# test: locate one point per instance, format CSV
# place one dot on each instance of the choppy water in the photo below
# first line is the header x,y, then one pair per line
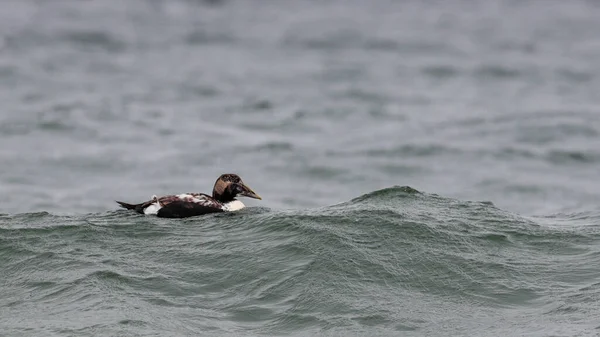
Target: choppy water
x,y
391,262
489,110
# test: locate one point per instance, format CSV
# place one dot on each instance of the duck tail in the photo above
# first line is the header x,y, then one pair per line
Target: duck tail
x,y
126,205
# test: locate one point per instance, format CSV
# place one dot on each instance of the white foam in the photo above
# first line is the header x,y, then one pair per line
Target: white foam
x,y
232,206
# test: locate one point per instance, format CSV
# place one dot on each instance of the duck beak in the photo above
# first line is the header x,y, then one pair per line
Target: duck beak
x,y
248,192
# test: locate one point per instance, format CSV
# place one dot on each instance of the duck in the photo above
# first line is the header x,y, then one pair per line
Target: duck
x,y
227,187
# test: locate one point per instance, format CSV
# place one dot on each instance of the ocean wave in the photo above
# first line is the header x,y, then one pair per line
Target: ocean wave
x,y
363,263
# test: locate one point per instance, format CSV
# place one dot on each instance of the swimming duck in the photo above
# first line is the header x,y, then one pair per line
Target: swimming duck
x,y
223,199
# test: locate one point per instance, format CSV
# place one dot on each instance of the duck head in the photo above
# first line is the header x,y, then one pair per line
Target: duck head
x,y
230,185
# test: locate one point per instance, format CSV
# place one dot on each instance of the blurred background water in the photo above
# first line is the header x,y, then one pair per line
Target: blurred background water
x,y
314,104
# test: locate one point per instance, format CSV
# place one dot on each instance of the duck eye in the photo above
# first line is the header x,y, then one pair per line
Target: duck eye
x,y
238,189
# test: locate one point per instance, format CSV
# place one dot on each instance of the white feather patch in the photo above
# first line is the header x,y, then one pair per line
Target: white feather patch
x,y
154,207
232,206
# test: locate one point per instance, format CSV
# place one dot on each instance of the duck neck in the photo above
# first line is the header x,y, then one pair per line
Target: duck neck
x,y
225,196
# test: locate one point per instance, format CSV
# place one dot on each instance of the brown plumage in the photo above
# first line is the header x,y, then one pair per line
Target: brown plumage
x,y
226,188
